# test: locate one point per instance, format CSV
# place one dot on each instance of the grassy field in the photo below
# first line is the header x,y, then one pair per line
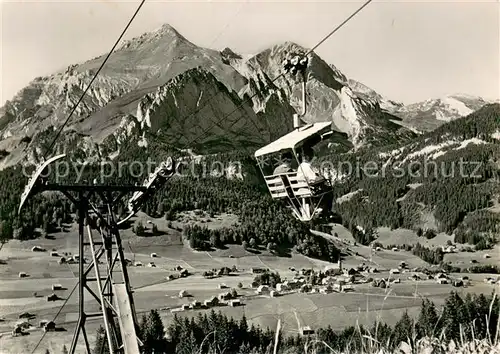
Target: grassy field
x,y
153,291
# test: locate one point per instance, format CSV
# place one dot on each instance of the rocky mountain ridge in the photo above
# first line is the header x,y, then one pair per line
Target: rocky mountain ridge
x,y
162,86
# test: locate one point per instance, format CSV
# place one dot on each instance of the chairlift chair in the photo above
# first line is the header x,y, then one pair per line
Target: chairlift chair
x,y
303,196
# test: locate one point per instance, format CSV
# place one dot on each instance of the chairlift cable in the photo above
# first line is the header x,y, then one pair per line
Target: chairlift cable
x,y
66,122
54,320
91,81
206,130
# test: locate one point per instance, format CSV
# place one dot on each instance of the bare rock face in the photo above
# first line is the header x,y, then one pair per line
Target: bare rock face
x,y
161,86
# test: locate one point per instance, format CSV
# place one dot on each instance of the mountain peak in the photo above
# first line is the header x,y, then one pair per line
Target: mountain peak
x,y
167,29
162,33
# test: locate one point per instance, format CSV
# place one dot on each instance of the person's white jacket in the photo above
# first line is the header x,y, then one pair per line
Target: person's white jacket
x,y
307,173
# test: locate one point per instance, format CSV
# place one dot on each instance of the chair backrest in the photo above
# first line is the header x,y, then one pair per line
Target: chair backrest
x,y
278,189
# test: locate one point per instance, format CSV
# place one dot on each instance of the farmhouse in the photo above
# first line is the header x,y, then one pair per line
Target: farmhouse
x,y
52,297
22,275
56,287
213,301
50,326
54,254
394,271
273,293
195,305
257,270
183,293
225,296
281,287
154,255
442,281
62,260
235,303
37,249
17,331
262,289
350,271
306,330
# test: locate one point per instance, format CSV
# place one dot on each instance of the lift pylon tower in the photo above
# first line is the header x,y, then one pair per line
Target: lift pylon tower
x,y
110,285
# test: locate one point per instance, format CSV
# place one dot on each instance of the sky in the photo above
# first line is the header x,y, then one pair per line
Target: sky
x,y
406,50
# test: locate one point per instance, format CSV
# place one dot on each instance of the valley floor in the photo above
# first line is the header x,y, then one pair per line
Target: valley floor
x,y
362,305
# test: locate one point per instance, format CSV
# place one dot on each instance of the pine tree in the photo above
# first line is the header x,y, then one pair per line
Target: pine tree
x,y
101,344
403,330
428,320
153,334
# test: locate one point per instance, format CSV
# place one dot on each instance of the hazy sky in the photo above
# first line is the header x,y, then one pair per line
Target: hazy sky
x,y
406,50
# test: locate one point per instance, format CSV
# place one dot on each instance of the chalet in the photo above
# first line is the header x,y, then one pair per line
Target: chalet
x,y
282,287
225,296
350,271
337,287
262,289
17,331
325,290
195,305
306,330
305,288
213,301
440,276
52,297
50,326
235,303
257,270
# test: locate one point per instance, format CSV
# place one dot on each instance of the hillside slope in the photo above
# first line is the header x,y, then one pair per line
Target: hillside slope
x,y
446,180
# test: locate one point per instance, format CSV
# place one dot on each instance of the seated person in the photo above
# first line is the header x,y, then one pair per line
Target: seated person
x,y
286,164
306,172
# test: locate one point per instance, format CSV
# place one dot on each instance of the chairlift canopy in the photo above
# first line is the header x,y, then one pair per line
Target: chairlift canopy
x,y
294,138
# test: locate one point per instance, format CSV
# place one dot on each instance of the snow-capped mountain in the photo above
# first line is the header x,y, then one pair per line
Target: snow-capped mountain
x,y
430,114
162,87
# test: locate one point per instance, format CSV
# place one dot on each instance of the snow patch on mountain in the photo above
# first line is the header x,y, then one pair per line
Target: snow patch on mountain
x,y
476,141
